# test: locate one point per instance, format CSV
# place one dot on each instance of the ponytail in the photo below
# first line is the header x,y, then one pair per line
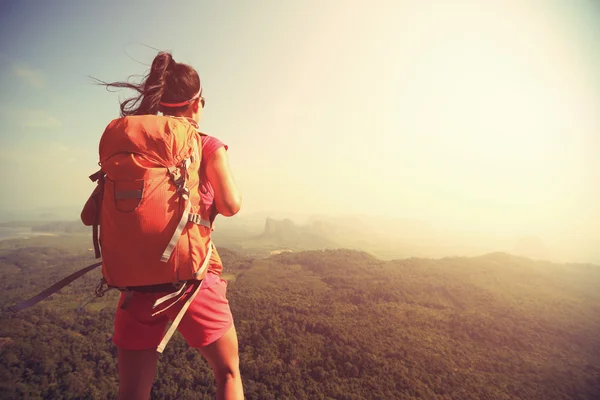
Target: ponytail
x,y
167,81
154,86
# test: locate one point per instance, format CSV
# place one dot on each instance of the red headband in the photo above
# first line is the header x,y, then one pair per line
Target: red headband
x,y
183,103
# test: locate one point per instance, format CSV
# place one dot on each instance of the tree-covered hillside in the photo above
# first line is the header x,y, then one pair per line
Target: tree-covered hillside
x,y
334,324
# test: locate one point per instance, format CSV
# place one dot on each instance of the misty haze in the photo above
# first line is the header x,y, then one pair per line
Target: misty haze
x,y
420,183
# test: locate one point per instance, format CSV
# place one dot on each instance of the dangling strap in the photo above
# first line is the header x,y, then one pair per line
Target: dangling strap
x,y
169,297
177,320
179,293
52,289
170,305
204,267
183,310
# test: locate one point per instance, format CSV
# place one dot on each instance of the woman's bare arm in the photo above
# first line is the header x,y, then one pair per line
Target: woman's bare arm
x,y
227,196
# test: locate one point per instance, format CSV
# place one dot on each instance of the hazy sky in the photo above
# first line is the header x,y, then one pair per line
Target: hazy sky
x,y
471,114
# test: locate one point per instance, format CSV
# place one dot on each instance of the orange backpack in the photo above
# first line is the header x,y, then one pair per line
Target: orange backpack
x,y
150,227
153,228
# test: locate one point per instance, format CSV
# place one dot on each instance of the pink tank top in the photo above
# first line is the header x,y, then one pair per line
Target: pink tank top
x,y
207,194
210,144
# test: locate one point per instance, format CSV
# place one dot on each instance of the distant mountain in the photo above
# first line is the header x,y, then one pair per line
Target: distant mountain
x,y
384,238
62,227
66,213
532,247
42,226
286,235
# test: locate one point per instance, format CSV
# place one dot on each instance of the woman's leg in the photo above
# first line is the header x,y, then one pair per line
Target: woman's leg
x,y
222,356
136,329
136,373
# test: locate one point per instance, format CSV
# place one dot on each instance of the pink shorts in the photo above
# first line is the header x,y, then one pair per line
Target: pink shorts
x,y
206,320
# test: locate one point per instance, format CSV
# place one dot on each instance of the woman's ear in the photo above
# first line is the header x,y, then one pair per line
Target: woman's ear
x,y
195,105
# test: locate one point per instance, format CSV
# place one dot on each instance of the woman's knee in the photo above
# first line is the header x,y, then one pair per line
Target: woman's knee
x,y
223,357
227,369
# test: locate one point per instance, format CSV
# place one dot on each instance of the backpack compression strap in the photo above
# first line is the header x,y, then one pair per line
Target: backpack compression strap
x,y
181,184
97,177
53,289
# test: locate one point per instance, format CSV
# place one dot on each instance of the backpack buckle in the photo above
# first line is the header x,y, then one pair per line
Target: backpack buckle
x,y
179,180
100,290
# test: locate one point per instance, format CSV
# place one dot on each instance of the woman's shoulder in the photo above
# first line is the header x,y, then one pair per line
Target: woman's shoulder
x,y
210,144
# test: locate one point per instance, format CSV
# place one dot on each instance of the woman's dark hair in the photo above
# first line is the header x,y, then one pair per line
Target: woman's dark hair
x,y
168,81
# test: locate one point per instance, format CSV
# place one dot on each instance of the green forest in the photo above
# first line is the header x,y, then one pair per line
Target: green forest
x,y
333,324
